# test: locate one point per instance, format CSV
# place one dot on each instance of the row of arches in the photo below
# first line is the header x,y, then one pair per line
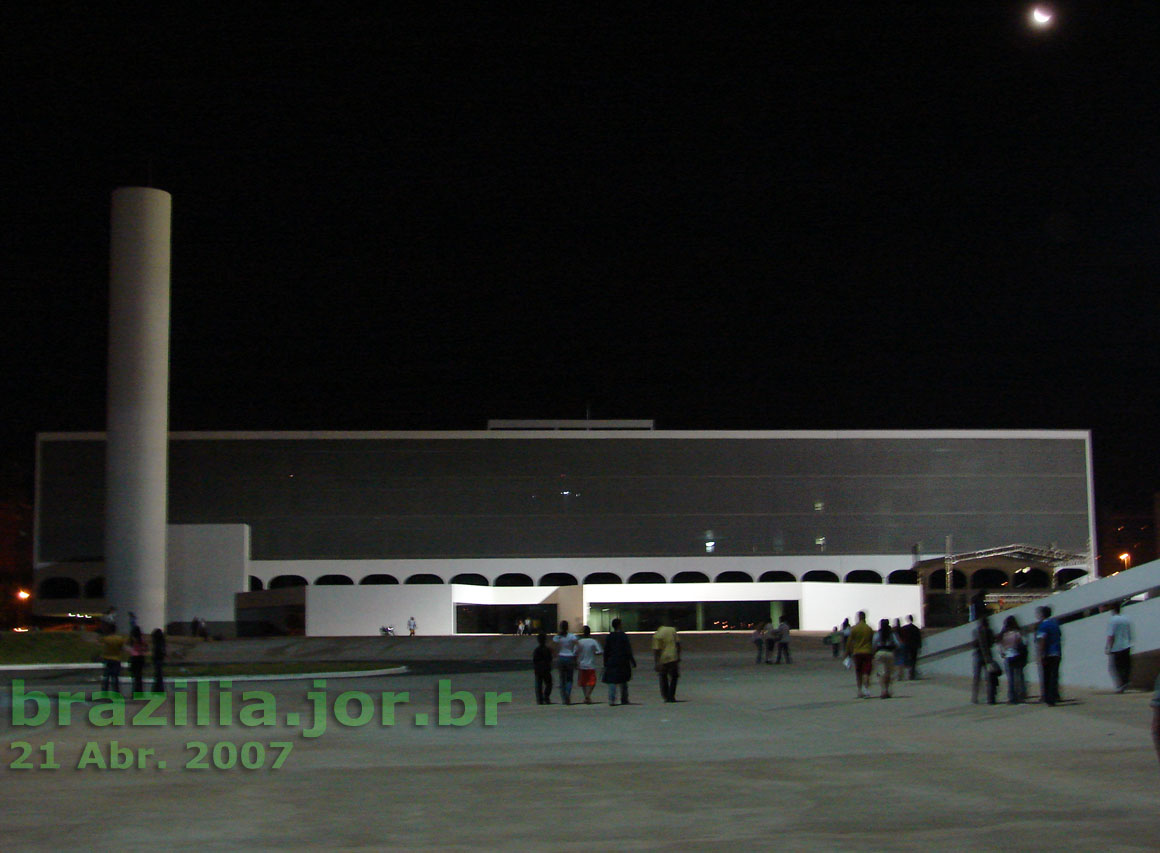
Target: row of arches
x,y
1025,578
1030,578
510,579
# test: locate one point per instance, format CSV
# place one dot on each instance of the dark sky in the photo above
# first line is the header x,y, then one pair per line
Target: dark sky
x,y
781,215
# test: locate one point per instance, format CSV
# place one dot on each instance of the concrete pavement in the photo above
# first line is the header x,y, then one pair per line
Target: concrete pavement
x,y
761,756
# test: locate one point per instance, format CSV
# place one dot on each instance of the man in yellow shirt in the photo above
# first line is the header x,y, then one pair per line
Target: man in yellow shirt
x,y
667,656
860,648
111,645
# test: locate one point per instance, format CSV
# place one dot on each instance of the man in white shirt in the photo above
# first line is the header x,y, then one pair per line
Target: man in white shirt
x,y
586,651
1119,646
565,660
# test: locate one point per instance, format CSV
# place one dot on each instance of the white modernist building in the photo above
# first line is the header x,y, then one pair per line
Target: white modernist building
x,y
470,532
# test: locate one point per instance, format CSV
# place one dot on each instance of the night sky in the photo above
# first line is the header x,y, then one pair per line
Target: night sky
x,y
772,216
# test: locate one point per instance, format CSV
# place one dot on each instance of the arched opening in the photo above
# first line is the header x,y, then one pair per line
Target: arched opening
x,y
59,588
95,588
820,576
734,577
863,576
1029,578
1065,576
513,579
690,577
989,579
938,580
903,576
334,580
284,581
646,577
379,579
558,579
602,577
255,584
424,578
470,578
777,577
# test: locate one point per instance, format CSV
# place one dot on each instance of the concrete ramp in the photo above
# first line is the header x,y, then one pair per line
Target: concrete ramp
x,y
1084,631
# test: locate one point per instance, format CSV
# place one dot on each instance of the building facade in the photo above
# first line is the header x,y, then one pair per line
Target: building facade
x,y
579,521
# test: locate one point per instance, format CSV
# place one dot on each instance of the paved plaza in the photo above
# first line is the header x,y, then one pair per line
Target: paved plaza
x,y
754,756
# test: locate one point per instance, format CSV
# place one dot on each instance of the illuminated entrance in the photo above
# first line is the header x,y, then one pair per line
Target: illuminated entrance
x,y
691,615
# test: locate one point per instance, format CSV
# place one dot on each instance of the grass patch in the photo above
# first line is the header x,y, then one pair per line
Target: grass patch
x,y
47,647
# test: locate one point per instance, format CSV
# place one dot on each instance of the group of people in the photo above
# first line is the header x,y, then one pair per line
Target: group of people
x,y
891,652
767,637
113,647
576,661
1013,649
881,652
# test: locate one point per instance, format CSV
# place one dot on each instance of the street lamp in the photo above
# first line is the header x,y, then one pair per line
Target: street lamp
x,y
1126,559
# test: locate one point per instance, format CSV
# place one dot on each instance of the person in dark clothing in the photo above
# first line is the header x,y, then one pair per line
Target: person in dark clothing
x,y
618,663
158,637
912,642
137,650
985,665
542,664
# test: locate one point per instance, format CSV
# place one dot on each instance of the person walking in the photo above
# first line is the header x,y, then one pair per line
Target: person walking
x,y
899,651
618,663
586,651
860,648
411,626
1049,645
1014,650
542,664
667,660
912,641
137,651
758,638
885,644
983,661
112,644
565,660
835,641
783,640
1119,647
158,637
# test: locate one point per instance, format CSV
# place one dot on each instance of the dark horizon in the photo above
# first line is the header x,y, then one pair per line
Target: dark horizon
x,y
849,218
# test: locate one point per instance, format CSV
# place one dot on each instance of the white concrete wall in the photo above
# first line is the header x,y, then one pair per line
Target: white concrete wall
x,y
349,611
824,605
207,566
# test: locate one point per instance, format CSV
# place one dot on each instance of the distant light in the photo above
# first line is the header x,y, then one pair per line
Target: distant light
x,y
20,630
710,546
24,595
1041,16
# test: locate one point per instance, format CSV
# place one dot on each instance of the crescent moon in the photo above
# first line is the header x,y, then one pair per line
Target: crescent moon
x,y
1041,16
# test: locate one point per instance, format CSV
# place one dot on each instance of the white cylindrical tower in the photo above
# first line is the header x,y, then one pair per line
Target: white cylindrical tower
x,y
136,466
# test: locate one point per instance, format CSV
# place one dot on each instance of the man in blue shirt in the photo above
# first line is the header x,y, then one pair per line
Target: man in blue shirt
x,y
1049,643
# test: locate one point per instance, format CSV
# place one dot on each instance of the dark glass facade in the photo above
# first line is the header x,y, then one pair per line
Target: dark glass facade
x,y
580,495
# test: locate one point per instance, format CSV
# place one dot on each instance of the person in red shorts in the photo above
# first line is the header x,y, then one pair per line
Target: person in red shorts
x,y
586,651
860,648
